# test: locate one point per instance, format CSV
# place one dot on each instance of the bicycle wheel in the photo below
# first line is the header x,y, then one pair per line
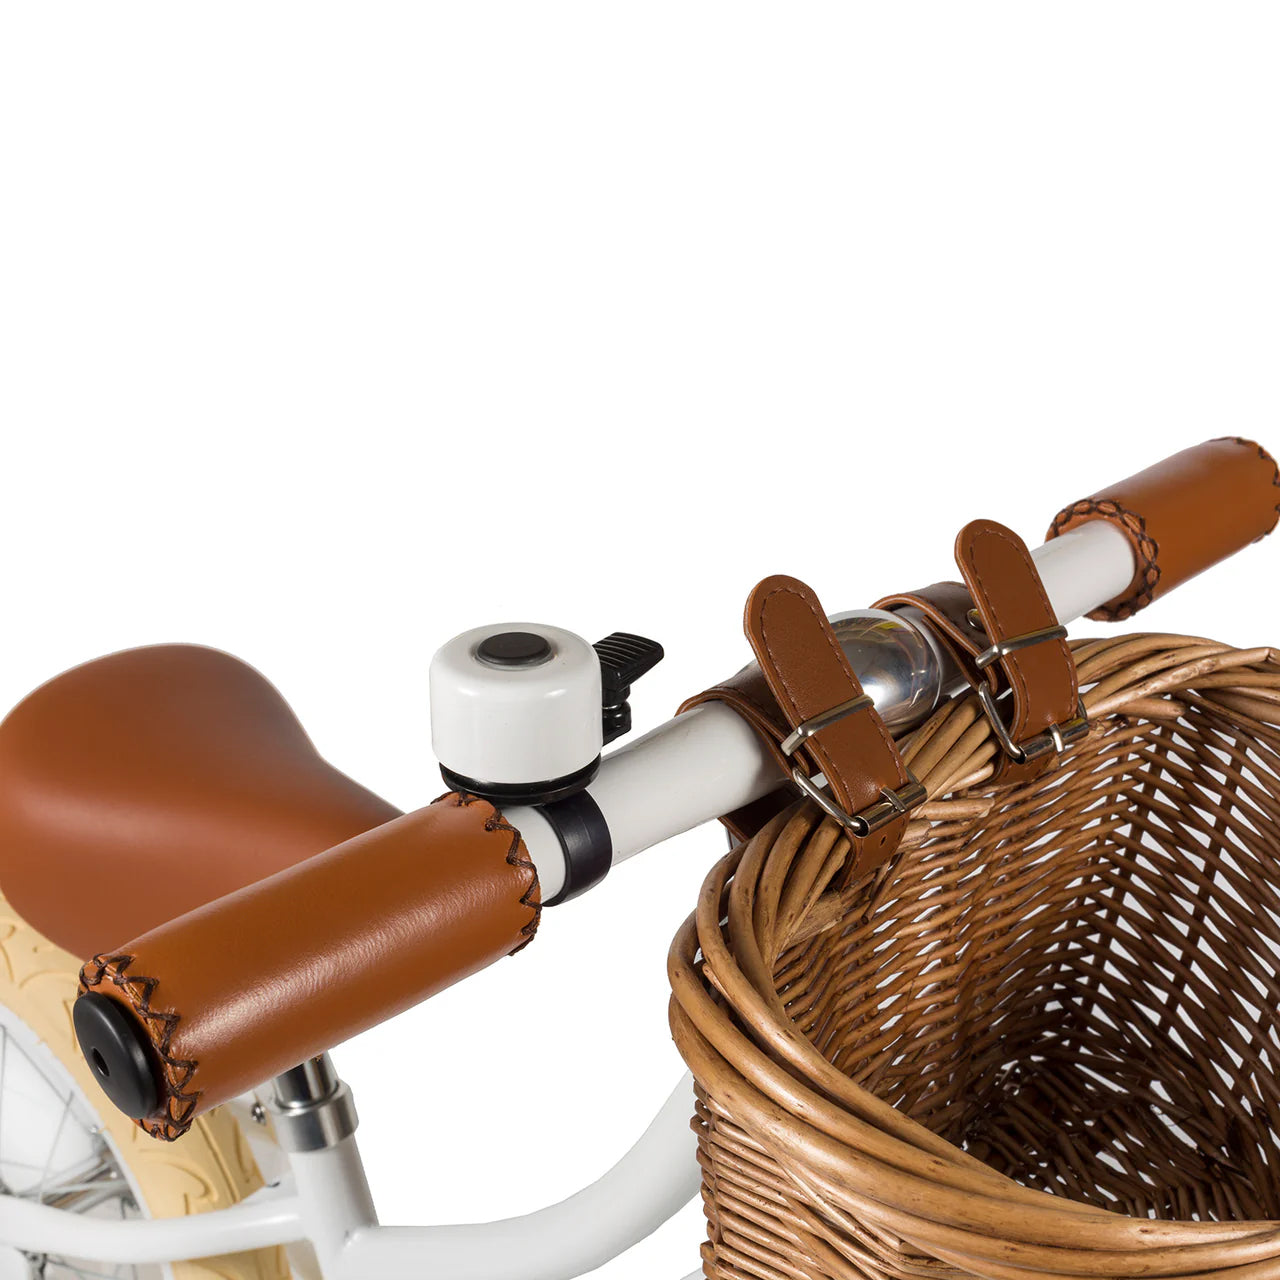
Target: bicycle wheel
x,y
62,1143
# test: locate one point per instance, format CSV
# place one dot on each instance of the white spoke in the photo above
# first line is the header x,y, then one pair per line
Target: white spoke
x,y
106,1184
53,1150
79,1272
86,1196
81,1172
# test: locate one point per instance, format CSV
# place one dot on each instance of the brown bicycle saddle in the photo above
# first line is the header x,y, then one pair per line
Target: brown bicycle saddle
x,y
145,784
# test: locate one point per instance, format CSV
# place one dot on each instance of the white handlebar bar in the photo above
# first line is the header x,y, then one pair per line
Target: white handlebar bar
x,y
709,761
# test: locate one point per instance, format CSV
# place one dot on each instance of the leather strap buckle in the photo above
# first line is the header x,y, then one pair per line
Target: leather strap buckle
x,y
804,699
1057,737
894,802
1001,629
1054,740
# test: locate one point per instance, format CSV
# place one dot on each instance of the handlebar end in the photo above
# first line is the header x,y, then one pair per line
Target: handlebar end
x,y
118,1054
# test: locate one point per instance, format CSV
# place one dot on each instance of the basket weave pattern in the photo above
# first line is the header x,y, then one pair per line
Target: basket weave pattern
x,y
1068,987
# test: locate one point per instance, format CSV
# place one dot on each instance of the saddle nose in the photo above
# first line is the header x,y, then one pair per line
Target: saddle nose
x,y
147,783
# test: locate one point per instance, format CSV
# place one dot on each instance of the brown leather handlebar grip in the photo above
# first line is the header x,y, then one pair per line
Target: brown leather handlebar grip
x,y
254,983
1183,515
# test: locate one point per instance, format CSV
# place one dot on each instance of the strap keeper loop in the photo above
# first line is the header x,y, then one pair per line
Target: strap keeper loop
x,y
1003,648
824,720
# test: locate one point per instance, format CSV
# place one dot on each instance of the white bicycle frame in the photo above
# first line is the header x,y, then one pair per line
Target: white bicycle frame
x,y
704,763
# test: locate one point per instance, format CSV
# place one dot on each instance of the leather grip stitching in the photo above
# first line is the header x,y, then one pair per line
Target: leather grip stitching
x,y
178,1072
1148,551
181,1105
1265,457
532,896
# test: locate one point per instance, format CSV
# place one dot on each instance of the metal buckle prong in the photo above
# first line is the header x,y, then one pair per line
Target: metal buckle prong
x,y
892,805
1057,737
824,720
1003,648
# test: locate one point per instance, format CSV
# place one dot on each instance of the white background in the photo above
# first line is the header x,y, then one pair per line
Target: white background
x,y
328,331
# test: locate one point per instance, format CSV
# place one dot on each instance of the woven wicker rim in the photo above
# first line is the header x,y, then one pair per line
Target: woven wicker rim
x,y
846,1150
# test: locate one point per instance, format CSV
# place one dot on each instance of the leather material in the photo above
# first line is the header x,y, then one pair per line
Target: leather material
x,y
1012,602
948,610
144,784
801,672
1183,515
248,986
1002,598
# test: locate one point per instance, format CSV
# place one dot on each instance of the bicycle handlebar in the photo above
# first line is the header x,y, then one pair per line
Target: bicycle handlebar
x,y
1183,515
208,1006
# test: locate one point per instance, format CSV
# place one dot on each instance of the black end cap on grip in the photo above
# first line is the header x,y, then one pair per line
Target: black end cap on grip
x,y
118,1054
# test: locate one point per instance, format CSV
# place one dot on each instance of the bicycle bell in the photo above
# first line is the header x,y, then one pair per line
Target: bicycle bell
x,y
520,711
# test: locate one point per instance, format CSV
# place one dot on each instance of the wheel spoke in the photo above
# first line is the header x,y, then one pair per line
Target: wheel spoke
x,y
104,1185
53,1150
80,1272
87,1180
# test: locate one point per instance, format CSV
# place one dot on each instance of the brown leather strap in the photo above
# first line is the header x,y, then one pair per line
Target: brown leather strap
x,y
1002,599
747,692
948,609
801,678
254,983
1183,515
1037,668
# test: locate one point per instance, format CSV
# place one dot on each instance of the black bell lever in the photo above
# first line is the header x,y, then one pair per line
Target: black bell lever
x,y
624,658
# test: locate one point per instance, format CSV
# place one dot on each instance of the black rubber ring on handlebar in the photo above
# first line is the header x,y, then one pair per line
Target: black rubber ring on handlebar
x,y
586,840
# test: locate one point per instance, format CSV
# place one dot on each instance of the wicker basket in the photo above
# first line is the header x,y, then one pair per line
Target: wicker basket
x,y
1042,1041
